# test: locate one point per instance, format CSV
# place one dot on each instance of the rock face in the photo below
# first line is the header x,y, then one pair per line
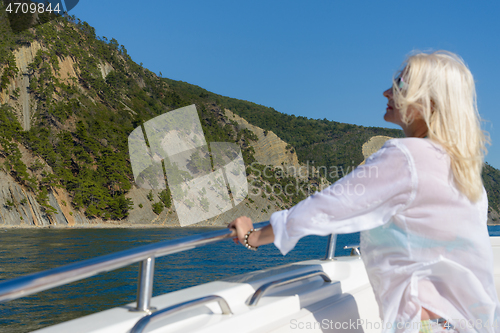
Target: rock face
x,y
20,208
105,69
374,144
67,69
269,149
24,56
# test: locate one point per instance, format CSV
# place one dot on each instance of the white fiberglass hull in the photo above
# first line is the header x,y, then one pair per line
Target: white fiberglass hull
x,y
347,304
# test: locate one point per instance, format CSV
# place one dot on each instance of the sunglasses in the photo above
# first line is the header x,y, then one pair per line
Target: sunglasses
x,y
401,84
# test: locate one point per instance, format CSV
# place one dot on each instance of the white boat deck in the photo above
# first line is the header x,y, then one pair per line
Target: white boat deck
x,y
347,304
302,304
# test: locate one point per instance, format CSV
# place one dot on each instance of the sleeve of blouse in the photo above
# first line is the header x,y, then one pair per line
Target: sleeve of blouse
x,y
364,199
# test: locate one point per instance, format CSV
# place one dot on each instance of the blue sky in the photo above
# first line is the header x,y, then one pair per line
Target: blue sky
x,y
320,59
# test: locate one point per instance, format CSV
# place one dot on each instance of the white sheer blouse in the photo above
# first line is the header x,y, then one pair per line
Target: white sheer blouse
x,y
424,244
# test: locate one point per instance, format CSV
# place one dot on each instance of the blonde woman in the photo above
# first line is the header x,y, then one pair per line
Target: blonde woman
x,y
419,203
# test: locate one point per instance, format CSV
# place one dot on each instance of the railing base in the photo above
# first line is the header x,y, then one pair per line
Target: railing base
x,y
148,311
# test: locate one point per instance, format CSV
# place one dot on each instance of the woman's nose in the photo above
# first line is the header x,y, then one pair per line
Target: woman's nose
x,y
388,93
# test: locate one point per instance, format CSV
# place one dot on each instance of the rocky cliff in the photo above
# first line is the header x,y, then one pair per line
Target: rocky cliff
x,y
269,148
19,207
16,94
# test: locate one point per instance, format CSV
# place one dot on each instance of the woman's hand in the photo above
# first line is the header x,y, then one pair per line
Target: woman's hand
x,y
242,225
257,238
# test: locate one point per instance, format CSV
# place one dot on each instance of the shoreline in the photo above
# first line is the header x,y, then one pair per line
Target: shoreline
x,y
111,225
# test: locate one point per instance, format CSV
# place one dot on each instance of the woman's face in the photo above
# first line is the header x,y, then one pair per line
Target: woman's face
x,y
417,126
392,114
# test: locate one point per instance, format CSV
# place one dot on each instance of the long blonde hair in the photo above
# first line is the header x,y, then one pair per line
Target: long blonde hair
x,y
441,88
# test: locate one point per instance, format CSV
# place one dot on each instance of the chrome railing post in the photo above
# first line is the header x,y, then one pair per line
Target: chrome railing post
x,y
330,248
145,285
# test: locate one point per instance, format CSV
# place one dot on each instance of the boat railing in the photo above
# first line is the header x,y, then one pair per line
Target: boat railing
x,y
140,326
257,295
145,255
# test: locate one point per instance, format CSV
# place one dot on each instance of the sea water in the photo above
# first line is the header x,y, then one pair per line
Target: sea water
x,y
24,251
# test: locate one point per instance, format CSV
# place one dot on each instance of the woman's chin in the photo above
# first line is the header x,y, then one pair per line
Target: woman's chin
x,y
388,117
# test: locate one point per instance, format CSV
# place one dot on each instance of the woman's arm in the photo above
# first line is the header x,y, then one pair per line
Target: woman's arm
x,y
366,198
